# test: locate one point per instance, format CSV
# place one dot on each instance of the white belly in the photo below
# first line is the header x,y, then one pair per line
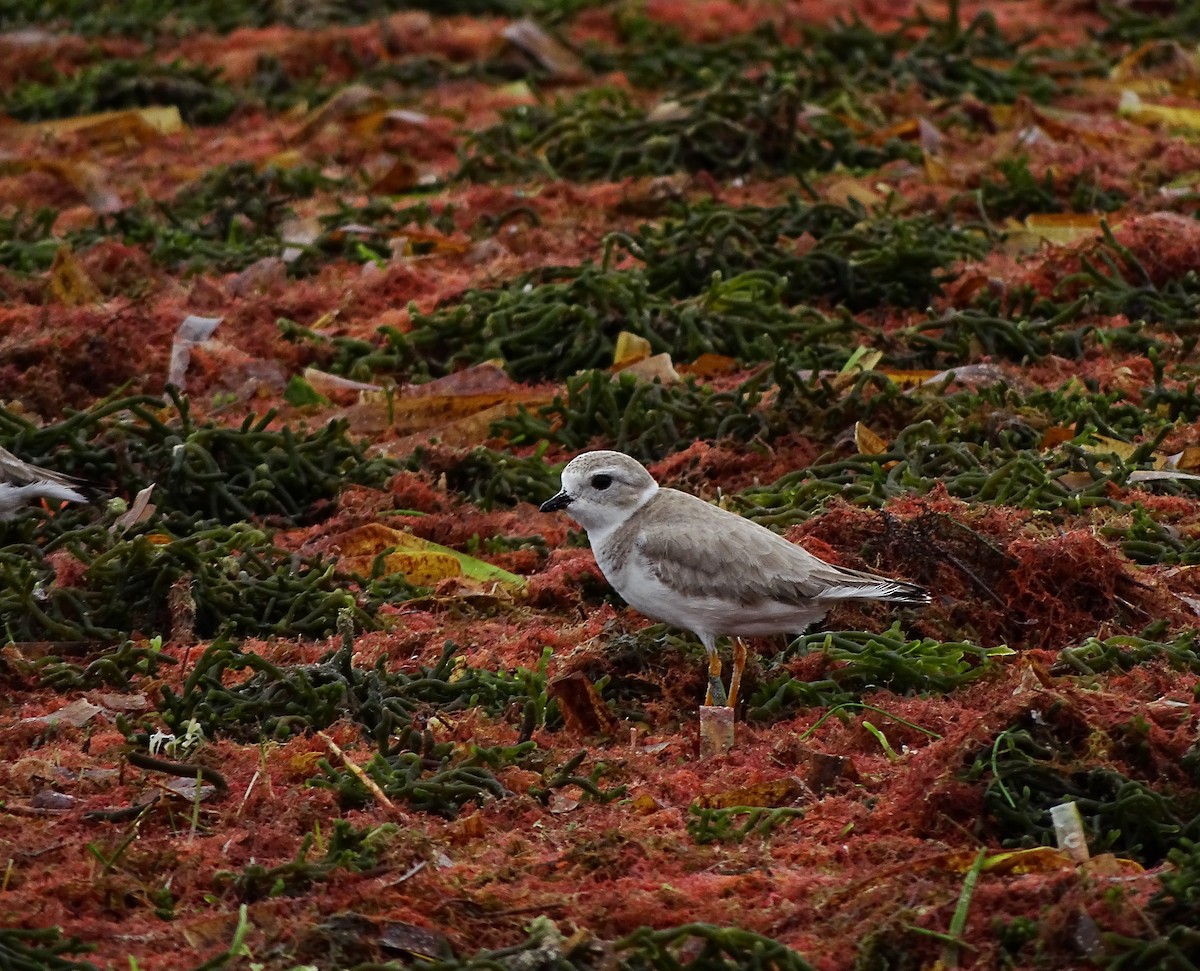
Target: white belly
x,y
707,616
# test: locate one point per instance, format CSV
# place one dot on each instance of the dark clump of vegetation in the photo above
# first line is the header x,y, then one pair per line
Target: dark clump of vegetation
x,y
431,776
735,824
687,947
200,470
277,701
735,127
234,578
1134,25
1039,763
851,256
117,669
232,217
202,99
487,477
151,19
551,325
349,848
647,420
1172,912
715,279
41,950
1019,193
863,662
941,58
1126,651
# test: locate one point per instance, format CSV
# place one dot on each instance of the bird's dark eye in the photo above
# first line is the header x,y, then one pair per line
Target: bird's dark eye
x,y
601,482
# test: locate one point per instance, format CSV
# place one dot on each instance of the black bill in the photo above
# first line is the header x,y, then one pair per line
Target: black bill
x,y
560,501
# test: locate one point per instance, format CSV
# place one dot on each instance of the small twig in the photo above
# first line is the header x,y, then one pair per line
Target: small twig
x,y
185,770
358,773
196,806
253,779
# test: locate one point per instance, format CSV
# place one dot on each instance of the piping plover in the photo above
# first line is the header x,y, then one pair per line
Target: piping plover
x,y
21,482
689,563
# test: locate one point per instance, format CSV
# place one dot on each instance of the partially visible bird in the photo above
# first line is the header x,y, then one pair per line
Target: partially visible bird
x,y
21,483
689,563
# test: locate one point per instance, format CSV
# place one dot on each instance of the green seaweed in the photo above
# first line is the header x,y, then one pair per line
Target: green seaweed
x,y
734,824
1035,765
863,662
850,256
431,776
350,848
738,126
119,83
276,701
44,949
199,469
237,580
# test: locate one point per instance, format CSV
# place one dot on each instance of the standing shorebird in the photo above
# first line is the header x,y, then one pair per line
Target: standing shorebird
x,y
684,561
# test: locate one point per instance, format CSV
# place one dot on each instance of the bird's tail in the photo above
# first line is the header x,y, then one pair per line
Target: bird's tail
x,y
853,585
13,497
906,594
45,489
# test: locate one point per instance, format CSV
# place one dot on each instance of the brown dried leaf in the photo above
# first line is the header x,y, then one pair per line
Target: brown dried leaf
x,y
1056,435
349,106
584,711
770,793
867,441
551,53
709,366
135,125
401,176
69,282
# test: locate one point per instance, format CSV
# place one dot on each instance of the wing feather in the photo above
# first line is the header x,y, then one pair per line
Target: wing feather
x,y
699,549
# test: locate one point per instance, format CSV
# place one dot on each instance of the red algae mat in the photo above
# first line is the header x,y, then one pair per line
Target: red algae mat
x,y
913,285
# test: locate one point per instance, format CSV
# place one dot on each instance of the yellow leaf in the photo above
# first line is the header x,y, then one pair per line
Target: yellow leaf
x,y
845,190
420,569
362,545
351,105
630,349
1060,229
69,282
863,359
1075,481
400,177
87,178
911,379
134,124
936,170
657,368
709,366
867,441
1188,460
1138,111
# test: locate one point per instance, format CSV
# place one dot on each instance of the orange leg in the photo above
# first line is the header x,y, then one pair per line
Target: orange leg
x,y
739,664
714,676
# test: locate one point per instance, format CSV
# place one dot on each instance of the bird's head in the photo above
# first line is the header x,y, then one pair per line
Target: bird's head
x,y
600,490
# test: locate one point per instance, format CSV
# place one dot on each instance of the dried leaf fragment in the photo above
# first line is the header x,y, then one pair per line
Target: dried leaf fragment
x,y
69,282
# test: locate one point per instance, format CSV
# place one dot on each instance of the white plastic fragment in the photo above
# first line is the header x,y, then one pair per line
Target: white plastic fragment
x,y
1068,831
194,330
